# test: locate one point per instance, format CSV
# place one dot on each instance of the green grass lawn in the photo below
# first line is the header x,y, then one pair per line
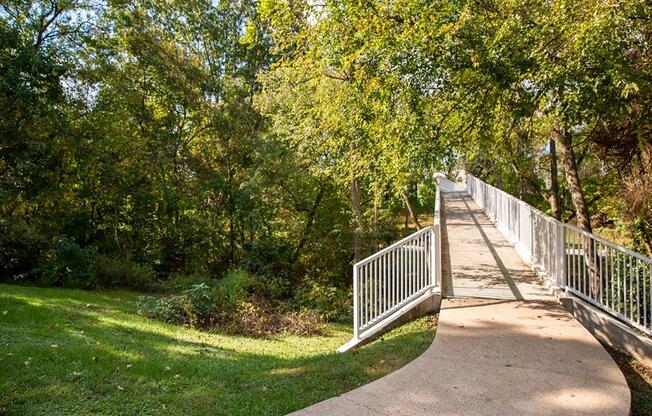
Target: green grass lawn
x,y
77,352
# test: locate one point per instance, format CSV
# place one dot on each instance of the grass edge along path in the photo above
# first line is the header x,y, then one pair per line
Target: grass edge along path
x,y
87,352
639,379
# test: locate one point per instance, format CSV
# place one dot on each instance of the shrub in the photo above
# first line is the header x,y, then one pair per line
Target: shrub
x,y
237,285
259,318
197,306
426,194
267,258
250,318
333,303
232,308
178,282
122,272
67,264
21,247
303,322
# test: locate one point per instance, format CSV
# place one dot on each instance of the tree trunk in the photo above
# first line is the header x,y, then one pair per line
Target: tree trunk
x,y
115,229
357,210
310,219
648,245
589,253
406,198
555,206
376,238
572,177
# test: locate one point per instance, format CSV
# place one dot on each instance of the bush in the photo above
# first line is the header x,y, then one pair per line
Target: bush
x,y
267,258
232,307
426,194
122,272
197,306
259,318
238,285
21,249
303,322
67,264
181,281
250,318
333,303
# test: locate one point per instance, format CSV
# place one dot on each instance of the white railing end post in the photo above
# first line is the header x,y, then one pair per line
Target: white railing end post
x,y
561,272
433,254
356,305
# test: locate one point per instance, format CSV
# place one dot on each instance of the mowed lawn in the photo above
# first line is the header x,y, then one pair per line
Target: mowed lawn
x,y
70,352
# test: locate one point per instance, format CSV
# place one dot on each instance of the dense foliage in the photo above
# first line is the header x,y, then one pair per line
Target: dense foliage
x,y
157,140
137,148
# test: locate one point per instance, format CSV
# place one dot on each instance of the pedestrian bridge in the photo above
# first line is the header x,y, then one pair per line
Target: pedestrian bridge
x,y
504,344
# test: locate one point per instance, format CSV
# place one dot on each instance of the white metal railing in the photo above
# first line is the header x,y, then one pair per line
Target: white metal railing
x,y
391,278
386,283
603,273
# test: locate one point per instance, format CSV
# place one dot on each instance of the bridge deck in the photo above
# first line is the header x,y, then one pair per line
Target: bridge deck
x,y
503,345
482,263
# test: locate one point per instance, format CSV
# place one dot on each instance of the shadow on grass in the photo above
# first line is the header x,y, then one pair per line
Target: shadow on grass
x,y
62,355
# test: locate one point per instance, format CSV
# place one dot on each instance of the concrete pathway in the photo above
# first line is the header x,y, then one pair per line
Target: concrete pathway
x,y
503,345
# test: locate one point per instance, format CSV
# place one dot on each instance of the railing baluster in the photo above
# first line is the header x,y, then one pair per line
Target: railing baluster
x,y
426,259
363,279
574,273
403,281
410,269
370,287
596,272
578,261
395,271
415,263
650,293
422,245
622,283
376,289
631,296
410,265
638,293
576,257
385,283
418,254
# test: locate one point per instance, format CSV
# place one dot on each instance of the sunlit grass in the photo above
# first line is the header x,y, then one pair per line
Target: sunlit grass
x,y
76,352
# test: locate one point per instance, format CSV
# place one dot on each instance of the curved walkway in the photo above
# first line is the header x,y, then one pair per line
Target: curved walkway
x,y
503,345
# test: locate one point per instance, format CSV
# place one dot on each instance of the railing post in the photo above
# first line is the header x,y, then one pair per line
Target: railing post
x,y
434,247
356,303
561,255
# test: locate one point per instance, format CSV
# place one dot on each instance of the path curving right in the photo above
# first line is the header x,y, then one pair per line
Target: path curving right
x,y
503,345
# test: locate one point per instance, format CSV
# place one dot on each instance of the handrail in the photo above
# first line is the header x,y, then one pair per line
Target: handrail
x,y
391,246
605,274
607,242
